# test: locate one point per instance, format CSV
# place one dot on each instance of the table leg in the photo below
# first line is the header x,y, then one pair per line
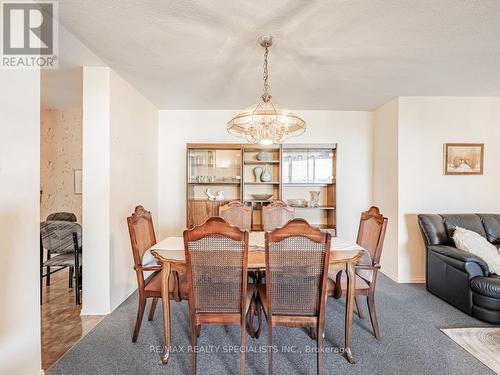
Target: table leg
x,y
349,310
165,300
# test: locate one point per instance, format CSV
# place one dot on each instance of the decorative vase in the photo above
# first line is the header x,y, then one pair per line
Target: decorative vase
x,y
257,171
266,175
263,156
314,198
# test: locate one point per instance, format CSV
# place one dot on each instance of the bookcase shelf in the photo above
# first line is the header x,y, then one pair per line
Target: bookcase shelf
x,y
237,163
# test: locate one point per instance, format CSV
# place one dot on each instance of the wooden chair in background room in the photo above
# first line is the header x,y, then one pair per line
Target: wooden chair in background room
x,y
142,237
276,214
217,260
60,216
62,239
297,258
371,233
237,214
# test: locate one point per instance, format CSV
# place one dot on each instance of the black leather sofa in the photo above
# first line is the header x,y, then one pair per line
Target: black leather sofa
x,y
459,277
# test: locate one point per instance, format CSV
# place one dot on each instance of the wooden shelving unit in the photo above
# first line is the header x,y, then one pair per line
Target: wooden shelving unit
x,y
296,169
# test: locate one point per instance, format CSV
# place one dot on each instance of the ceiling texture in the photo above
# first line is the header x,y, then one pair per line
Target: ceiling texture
x,y
327,55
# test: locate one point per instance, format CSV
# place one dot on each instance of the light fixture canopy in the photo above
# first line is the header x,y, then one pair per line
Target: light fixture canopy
x,y
266,123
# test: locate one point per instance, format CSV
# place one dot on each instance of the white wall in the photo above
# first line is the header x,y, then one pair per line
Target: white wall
x,y
19,222
120,169
133,176
351,130
96,186
425,124
385,180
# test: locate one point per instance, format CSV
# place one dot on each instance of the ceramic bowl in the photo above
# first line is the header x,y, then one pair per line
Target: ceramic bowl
x,y
261,197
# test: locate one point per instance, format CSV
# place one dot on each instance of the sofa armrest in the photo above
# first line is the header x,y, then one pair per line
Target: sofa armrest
x,y
460,257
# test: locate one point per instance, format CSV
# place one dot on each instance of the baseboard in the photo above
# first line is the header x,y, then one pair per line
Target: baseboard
x,y
416,280
121,300
84,313
389,275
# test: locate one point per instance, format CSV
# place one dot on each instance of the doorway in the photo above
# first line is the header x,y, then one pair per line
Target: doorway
x,y
61,144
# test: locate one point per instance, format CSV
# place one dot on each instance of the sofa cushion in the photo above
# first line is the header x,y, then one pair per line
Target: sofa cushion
x,y
468,221
476,244
491,223
486,286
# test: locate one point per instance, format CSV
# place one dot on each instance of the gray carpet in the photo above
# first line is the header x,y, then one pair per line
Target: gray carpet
x,y
409,316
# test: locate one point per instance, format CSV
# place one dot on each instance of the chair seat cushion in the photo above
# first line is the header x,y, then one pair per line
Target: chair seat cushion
x,y
486,286
153,287
360,283
62,260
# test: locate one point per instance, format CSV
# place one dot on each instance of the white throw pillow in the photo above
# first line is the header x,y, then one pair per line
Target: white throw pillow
x,y
476,244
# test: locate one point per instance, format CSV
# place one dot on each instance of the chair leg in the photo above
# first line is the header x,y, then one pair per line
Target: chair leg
x,y
140,314
243,346
70,277
269,345
373,314
198,330
47,278
319,365
152,309
358,307
312,332
194,339
77,284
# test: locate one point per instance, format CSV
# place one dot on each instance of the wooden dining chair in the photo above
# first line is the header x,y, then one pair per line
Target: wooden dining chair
x,y
142,237
238,214
371,234
217,259
276,214
297,258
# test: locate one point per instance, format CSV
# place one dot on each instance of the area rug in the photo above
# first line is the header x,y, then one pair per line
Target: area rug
x,y
482,343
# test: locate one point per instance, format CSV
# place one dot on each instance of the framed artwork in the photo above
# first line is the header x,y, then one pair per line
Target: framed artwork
x,y
78,181
463,158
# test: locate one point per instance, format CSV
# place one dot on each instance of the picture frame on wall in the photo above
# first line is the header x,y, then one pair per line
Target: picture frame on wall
x,y
78,181
463,158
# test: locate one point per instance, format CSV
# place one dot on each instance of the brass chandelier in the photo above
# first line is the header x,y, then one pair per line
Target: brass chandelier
x,y
266,123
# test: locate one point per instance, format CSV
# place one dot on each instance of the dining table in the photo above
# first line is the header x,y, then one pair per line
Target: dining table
x,y
344,255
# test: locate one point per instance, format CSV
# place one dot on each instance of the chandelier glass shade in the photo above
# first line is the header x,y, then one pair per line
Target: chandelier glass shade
x,y
266,122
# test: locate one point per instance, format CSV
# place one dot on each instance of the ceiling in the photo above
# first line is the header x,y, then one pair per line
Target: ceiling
x,y
330,55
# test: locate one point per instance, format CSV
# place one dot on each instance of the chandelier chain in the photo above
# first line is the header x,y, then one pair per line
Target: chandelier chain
x,y
266,96
265,122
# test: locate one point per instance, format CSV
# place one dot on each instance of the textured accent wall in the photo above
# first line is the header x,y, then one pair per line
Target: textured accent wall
x,y
60,155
